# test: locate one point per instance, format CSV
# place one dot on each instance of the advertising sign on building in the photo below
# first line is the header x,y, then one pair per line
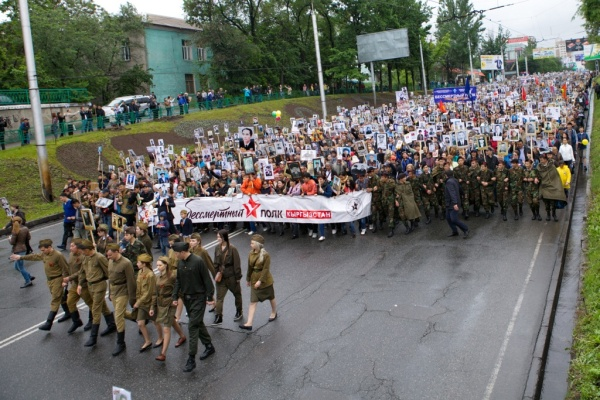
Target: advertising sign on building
x,y
489,63
575,44
544,52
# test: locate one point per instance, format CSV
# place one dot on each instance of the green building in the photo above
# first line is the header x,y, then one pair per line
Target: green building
x,y
168,49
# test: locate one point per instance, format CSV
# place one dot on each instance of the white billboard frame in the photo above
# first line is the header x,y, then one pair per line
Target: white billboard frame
x,y
385,45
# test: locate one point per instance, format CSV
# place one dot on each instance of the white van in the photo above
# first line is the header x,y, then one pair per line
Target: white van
x,y
142,100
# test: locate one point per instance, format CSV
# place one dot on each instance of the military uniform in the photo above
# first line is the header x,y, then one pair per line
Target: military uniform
x,y
132,251
461,173
532,191
55,267
94,272
147,242
203,254
502,189
407,208
474,189
429,200
121,290
439,178
388,198
228,264
72,296
487,191
416,189
516,175
376,203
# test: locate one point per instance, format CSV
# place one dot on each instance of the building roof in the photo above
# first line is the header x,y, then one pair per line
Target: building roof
x,y
170,22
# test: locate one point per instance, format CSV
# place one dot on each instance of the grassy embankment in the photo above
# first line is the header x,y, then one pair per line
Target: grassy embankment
x,y
20,182
585,367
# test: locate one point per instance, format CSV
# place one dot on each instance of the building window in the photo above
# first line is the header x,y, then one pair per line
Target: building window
x,y
189,83
186,47
126,51
201,54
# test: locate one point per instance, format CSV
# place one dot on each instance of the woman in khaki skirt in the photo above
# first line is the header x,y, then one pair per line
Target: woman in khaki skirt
x,y
259,279
145,298
163,307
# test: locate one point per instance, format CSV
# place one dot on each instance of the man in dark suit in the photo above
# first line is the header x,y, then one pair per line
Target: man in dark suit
x,y
452,201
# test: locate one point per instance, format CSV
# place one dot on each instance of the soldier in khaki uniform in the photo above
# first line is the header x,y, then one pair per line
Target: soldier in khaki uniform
x,y
121,290
75,261
94,272
141,232
197,249
501,179
55,267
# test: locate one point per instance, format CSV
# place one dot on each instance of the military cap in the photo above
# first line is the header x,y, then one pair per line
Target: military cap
x,y
258,238
180,246
112,247
85,245
142,225
145,258
45,243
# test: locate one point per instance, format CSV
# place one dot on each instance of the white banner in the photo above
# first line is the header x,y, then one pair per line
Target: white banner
x,y
491,62
275,208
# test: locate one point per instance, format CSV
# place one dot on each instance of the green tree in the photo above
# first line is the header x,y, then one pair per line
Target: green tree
x,y
494,43
589,10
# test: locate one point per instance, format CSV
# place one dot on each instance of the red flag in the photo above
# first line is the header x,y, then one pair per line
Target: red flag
x,y
563,89
523,94
537,81
442,107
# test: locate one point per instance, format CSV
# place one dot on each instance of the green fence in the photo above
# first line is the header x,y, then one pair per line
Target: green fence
x,y
47,96
55,132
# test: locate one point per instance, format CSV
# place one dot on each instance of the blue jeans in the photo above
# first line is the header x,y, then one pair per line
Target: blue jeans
x,y
252,226
453,221
164,244
321,229
20,266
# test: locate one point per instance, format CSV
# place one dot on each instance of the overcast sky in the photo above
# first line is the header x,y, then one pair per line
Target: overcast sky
x,y
543,19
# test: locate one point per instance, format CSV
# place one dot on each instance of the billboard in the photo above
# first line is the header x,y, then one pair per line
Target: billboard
x,y
575,44
489,63
453,94
385,45
514,45
544,52
591,52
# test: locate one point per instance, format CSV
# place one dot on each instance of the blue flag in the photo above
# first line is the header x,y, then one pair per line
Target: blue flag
x,y
468,88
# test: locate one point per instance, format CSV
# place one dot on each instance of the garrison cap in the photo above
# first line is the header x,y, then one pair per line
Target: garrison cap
x,y
45,243
85,245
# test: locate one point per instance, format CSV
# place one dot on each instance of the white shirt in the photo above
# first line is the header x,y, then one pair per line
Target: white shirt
x,y
566,151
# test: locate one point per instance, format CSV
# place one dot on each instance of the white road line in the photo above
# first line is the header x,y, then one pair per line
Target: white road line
x,y
24,333
511,325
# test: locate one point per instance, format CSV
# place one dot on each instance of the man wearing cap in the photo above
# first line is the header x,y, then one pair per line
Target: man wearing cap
x,y
196,287
141,232
94,272
55,267
487,189
501,180
121,290
75,261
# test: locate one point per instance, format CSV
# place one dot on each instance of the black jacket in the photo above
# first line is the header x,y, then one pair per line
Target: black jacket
x,y
452,193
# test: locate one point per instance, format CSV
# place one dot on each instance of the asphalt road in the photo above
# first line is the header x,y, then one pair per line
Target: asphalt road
x,y
413,317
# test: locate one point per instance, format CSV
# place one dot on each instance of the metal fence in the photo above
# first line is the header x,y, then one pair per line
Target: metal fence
x,y
47,96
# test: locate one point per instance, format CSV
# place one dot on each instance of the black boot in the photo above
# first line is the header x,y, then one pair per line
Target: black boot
x,y
537,212
93,336
46,326
534,215
504,215
190,365
487,215
210,349
110,321
521,210
391,232
554,216
435,211
67,315
477,211
492,209
416,224
516,214
120,347
88,326
408,228
547,215
76,322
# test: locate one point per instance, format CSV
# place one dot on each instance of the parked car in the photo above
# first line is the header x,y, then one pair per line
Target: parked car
x,y
142,100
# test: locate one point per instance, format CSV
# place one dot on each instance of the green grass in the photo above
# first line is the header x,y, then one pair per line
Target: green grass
x,y
20,182
584,376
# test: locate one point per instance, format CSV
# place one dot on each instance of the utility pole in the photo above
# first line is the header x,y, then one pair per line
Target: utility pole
x,y
36,103
319,68
471,63
517,63
423,67
373,85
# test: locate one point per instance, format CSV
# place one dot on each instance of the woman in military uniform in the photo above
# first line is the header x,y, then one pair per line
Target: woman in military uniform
x,y
145,297
163,307
259,279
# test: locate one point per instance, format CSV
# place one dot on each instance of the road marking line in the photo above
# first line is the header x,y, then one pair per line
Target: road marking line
x,y
24,333
511,325
33,230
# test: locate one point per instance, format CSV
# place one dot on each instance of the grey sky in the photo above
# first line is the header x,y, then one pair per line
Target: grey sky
x,y
543,19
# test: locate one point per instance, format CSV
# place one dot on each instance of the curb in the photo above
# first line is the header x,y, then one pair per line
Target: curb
x,y
37,222
535,378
